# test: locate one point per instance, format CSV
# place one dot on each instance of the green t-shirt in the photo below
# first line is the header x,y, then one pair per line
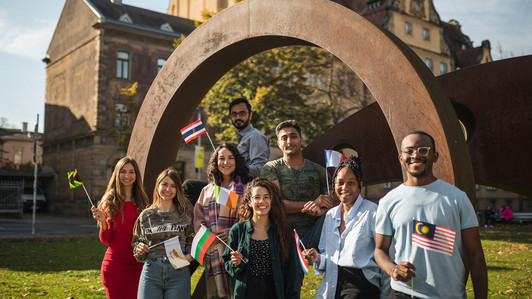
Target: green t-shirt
x,y
304,184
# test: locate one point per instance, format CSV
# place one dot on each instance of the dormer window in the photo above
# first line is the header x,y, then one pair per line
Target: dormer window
x,y
125,18
374,5
167,27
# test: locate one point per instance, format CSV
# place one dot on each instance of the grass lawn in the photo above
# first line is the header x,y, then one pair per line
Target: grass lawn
x,y
70,267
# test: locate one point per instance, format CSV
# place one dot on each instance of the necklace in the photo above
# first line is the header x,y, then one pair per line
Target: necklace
x,y
258,226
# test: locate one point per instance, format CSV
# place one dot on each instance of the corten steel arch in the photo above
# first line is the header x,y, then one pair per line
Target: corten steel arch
x,y
408,93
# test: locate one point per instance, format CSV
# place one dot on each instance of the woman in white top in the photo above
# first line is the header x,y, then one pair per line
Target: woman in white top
x,y
347,240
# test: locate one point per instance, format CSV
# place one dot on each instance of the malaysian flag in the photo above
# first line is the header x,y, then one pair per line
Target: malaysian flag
x,y
433,237
193,130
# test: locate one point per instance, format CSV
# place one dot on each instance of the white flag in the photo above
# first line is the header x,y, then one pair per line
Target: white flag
x,y
174,253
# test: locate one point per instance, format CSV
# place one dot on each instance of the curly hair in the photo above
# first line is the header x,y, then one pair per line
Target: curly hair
x,y
353,163
215,176
277,215
180,202
113,200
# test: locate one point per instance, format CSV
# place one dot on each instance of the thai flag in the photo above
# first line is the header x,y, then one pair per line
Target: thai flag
x,y
333,158
193,130
433,237
302,261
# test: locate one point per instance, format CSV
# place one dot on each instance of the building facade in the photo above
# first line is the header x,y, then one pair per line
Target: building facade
x,y
99,47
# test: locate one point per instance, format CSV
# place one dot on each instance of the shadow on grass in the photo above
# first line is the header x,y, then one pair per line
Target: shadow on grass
x,y
507,235
52,255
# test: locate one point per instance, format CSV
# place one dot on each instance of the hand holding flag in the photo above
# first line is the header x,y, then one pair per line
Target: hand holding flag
x,y
74,181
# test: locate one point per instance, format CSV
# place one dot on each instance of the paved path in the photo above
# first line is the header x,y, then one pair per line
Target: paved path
x,y
47,226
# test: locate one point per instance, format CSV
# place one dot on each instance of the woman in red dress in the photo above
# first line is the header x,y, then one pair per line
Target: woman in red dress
x,y
116,214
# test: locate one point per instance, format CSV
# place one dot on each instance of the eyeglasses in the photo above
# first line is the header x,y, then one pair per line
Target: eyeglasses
x,y
241,114
258,198
423,151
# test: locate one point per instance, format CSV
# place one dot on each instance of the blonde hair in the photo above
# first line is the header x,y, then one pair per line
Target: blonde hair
x,y
179,201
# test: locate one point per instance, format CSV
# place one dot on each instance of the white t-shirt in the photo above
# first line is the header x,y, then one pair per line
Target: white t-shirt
x,y
438,275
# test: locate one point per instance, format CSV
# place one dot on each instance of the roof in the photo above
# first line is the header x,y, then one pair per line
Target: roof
x,y
141,19
378,14
461,46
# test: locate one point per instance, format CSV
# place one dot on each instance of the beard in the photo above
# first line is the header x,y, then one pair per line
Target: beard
x,y
242,125
418,174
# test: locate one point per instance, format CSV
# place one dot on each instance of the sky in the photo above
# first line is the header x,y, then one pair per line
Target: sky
x,y
27,27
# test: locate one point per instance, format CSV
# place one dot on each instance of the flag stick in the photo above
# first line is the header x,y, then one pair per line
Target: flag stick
x,y
87,194
301,241
228,246
210,140
327,180
163,242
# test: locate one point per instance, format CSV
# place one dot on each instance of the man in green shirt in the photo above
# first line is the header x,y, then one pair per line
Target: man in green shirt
x,y
302,183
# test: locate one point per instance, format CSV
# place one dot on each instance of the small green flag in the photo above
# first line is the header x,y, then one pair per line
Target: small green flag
x,y
73,179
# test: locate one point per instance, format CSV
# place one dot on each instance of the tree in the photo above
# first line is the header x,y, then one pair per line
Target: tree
x,y
125,114
276,83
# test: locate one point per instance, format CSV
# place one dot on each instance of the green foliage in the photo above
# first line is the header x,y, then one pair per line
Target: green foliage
x,y
25,167
276,83
70,267
124,116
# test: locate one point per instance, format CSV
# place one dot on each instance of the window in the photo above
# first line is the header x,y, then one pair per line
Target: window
x,y
167,27
408,28
387,185
121,117
17,159
125,18
428,62
426,34
443,68
491,189
374,5
160,63
122,65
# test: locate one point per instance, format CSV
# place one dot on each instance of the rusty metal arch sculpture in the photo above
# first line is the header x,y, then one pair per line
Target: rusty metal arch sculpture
x,y
408,93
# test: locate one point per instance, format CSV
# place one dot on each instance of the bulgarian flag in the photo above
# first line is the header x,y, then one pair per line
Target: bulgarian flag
x,y
203,239
226,197
333,158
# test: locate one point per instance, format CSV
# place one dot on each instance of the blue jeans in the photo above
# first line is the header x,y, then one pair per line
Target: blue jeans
x,y
160,280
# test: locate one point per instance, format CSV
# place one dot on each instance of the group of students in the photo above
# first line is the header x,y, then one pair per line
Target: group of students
x,y
357,244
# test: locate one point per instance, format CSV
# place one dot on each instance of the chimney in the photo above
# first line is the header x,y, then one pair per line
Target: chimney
x,y
118,2
24,127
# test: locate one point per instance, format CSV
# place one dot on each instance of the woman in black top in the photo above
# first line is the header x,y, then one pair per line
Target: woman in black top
x,y
264,259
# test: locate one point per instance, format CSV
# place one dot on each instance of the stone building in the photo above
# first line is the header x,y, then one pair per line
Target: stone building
x,y
98,48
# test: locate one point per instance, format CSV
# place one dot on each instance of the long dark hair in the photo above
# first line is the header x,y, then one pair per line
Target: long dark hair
x,y
180,202
215,176
113,200
277,215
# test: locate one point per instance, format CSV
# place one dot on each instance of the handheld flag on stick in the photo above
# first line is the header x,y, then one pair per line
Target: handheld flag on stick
x,y
203,239
195,130
75,181
226,197
433,237
302,261
332,159
174,253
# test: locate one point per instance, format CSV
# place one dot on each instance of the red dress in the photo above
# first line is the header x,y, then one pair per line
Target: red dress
x,y
120,270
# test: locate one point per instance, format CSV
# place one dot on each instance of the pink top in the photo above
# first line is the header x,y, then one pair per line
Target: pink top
x,y
507,213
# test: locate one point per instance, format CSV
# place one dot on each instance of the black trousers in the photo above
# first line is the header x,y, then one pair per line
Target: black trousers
x,y
260,287
353,284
